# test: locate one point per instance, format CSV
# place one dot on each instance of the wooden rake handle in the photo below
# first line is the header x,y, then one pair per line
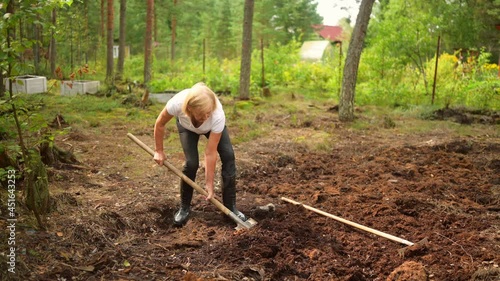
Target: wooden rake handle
x,y
356,225
198,188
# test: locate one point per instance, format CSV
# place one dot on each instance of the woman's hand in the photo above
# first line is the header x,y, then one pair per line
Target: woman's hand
x,y
159,157
210,191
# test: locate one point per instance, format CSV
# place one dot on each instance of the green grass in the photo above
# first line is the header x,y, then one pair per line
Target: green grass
x,y
94,111
246,120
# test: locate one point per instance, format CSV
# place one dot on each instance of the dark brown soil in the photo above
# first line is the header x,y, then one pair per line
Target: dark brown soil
x,y
113,221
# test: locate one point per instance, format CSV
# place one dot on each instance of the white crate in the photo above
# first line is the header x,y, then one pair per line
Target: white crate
x,y
27,84
161,97
75,87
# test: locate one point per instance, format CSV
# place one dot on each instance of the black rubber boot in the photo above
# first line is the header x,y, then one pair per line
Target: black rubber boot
x,y
229,196
182,215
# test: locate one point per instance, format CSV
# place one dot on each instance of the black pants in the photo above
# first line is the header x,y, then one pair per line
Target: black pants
x,y
189,142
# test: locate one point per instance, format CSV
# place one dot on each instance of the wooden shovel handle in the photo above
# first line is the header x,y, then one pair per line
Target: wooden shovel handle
x,y
365,228
198,188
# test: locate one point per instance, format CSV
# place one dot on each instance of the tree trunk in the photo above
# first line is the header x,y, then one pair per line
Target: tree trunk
x,y
78,49
21,38
346,104
52,48
2,87
110,61
36,46
246,50
148,48
155,27
103,30
174,30
86,34
121,50
71,47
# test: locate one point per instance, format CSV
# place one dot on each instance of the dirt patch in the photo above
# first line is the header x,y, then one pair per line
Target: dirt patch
x,y
409,270
113,220
467,116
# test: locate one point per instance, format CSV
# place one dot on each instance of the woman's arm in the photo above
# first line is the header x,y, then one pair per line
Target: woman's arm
x,y
159,134
210,161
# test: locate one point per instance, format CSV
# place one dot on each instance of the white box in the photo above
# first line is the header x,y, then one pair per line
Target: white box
x,y
161,97
75,87
27,84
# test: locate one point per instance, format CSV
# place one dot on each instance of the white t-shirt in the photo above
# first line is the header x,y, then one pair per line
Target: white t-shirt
x,y
215,123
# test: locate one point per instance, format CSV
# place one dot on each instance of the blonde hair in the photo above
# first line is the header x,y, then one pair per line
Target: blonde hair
x,y
200,99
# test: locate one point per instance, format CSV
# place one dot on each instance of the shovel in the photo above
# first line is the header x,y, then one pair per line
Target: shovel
x,y
249,223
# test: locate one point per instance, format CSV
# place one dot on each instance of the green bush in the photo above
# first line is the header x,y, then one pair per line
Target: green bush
x,y
382,80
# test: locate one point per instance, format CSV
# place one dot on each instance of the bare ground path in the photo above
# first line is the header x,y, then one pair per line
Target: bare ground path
x,y
112,221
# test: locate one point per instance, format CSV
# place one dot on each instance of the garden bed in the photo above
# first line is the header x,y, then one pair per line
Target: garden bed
x,y
27,84
79,87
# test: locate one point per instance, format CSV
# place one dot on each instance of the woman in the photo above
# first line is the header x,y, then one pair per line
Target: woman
x,y
199,112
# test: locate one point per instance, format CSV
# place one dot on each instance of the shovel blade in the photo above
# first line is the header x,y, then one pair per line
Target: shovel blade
x,y
249,223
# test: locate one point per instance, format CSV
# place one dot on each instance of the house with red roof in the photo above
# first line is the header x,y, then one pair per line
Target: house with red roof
x,y
318,50
329,32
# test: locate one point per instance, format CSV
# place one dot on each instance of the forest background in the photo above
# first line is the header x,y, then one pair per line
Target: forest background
x,y
202,40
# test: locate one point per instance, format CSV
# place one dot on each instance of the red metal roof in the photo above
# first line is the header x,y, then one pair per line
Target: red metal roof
x,y
328,32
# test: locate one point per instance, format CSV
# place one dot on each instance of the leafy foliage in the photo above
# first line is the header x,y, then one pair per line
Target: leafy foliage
x,y
397,65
